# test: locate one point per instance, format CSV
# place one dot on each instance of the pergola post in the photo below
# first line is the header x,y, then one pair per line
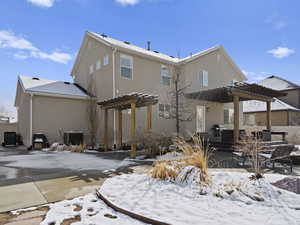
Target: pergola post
x,y
269,116
133,130
236,132
120,129
149,117
105,138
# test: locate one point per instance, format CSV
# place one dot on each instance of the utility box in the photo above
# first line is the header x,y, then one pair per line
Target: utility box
x,y
73,138
10,138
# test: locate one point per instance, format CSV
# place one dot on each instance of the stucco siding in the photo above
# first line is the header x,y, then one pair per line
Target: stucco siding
x,y
292,98
23,126
52,114
278,118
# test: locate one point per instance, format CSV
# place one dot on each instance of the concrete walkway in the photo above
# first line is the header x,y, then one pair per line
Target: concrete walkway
x,y
43,192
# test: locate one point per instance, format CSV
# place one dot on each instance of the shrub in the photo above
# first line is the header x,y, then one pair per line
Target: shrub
x,y
154,143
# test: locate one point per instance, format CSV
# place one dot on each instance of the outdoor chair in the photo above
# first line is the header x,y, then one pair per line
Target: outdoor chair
x,y
240,157
280,155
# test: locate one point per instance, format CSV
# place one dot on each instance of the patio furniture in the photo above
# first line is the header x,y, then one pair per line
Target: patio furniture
x,y
240,156
281,155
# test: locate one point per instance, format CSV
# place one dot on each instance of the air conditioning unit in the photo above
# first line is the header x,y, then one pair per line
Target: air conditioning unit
x,y
73,138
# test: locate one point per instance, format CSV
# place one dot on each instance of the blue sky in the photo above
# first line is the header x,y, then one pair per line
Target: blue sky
x,y
42,37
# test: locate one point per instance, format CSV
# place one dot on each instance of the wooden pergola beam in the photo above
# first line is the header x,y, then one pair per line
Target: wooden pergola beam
x,y
251,96
269,116
133,130
236,131
120,129
149,117
105,137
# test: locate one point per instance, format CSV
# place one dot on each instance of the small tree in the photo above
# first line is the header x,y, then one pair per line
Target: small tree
x,y
180,108
92,112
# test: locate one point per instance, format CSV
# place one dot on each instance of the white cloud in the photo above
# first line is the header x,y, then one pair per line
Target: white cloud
x,y
281,52
254,77
27,50
42,3
127,2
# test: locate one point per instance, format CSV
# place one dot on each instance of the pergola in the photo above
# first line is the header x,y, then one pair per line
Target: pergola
x,y
236,93
124,102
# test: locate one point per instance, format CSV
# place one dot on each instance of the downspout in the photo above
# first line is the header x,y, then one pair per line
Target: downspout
x,y
30,122
114,91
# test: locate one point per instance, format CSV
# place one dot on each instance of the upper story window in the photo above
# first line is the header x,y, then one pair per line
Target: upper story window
x,y
106,60
164,110
203,78
228,116
91,70
98,64
165,75
126,65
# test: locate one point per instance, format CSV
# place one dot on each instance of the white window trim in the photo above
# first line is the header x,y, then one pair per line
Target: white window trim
x,y
161,76
98,64
230,111
106,57
131,58
201,78
164,111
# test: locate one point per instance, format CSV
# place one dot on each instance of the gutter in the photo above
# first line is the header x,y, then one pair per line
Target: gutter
x,y
114,91
30,120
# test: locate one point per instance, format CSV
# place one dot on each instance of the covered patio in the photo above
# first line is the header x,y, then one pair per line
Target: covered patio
x,y
124,102
236,93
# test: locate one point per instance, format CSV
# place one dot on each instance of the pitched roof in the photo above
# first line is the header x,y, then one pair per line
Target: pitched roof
x,y
51,87
128,47
258,106
278,83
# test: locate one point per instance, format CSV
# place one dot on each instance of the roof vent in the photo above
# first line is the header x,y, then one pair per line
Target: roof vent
x,y
67,82
148,45
172,56
35,78
104,35
156,51
126,42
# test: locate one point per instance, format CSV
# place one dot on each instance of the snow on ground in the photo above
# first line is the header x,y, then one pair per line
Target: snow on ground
x,y
91,211
65,159
183,204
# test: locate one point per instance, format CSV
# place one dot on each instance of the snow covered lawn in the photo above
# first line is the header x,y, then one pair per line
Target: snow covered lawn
x,y
227,201
231,199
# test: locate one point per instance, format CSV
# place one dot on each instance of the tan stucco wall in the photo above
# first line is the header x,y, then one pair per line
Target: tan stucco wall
x,y
278,118
52,114
23,109
292,98
7,127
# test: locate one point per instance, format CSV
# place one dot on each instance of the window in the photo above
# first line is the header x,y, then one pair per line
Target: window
x,y
164,110
98,64
228,116
126,64
165,75
106,60
91,69
203,78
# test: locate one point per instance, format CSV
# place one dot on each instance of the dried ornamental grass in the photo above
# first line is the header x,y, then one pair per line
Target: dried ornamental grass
x,y
162,170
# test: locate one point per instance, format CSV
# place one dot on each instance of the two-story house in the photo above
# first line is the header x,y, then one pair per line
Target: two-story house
x,y
114,68
117,68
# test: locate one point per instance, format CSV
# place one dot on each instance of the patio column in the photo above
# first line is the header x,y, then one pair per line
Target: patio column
x,y
269,116
149,117
120,129
133,130
105,138
236,132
